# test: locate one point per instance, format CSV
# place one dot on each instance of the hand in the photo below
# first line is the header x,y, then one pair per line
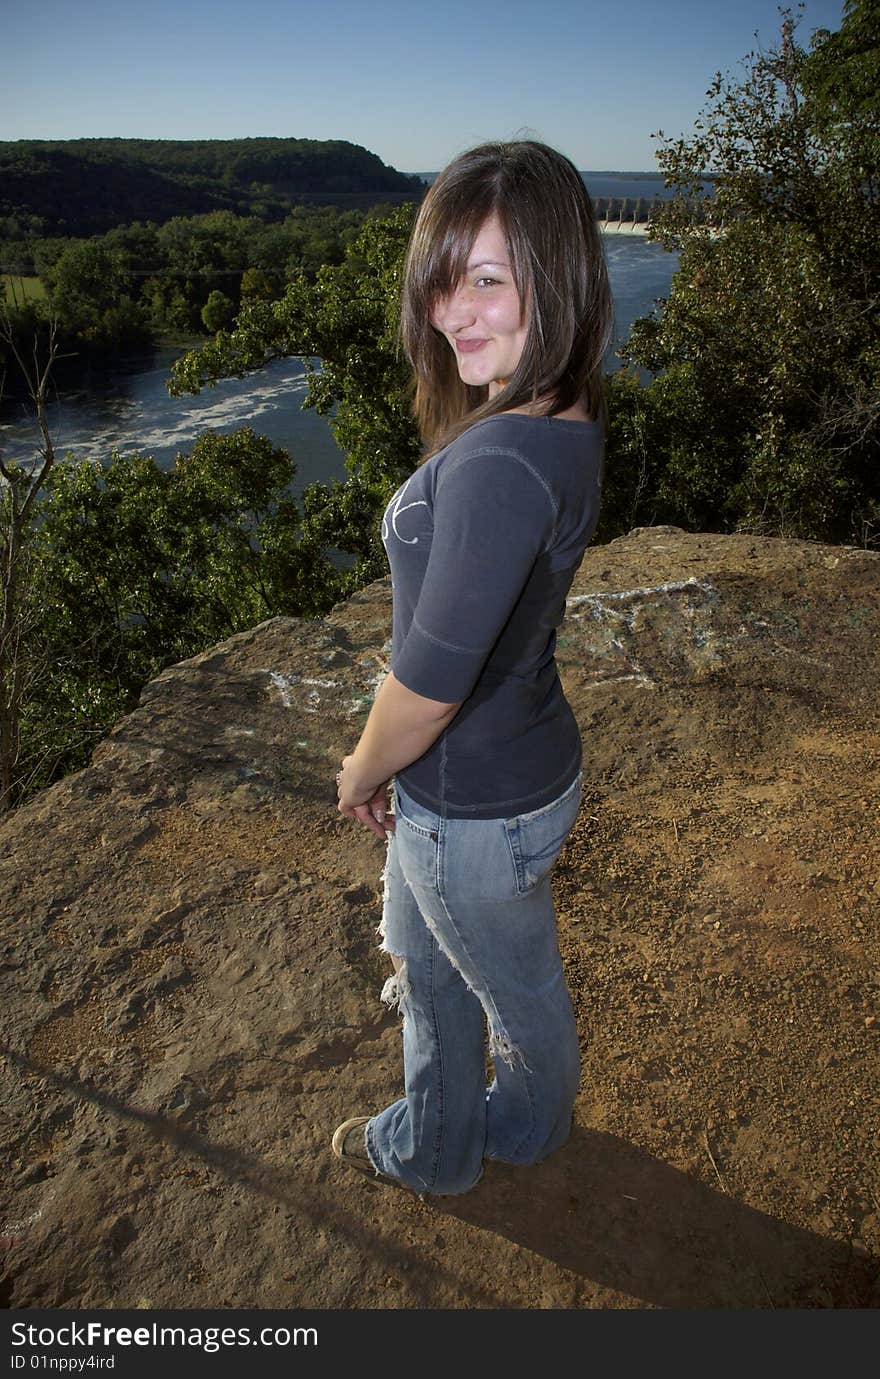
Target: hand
x,y
367,804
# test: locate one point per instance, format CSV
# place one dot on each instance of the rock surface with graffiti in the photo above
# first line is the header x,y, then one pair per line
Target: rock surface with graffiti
x,y
191,971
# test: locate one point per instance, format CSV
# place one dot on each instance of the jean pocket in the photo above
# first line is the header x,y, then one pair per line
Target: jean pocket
x,y
414,816
536,839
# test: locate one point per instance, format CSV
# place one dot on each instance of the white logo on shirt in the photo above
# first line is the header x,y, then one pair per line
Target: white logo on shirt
x,y
395,509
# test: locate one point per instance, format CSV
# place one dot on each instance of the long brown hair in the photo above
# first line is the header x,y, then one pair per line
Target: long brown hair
x,y
558,267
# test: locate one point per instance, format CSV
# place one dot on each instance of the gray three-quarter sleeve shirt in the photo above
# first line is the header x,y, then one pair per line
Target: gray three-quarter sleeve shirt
x,y
483,541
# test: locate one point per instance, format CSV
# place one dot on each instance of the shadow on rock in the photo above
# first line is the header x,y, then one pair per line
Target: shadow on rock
x,y
290,1188
621,1219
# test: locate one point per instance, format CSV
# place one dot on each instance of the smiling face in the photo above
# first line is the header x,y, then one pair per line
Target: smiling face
x,y
482,317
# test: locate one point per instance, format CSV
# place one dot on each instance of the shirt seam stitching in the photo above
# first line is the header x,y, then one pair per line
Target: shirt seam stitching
x,y
452,466
448,646
516,800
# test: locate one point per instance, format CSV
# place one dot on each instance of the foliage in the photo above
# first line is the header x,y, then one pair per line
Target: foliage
x,y
137,568
93,296
763,412
346,318
841,78
141,567
218,311
87,186
118,292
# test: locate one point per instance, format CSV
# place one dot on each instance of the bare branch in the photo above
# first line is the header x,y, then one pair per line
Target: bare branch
x,y
19,610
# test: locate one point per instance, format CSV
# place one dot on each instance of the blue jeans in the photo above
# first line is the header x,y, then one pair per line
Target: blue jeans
x,y
469,916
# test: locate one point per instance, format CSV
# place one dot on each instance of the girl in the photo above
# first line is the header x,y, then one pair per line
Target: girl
x,y
506,318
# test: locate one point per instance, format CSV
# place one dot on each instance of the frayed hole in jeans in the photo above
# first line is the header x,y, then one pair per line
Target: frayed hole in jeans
x,y
383,877
503,1047
396,988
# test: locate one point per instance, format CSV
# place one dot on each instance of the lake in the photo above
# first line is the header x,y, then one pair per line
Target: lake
x,y
131,411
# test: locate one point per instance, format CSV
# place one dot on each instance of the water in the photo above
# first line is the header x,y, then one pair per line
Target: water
x,y
640,273
631,184
618,184
635,185
131,411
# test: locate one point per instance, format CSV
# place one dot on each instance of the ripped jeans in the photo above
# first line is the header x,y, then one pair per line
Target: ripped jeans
x,y
469,917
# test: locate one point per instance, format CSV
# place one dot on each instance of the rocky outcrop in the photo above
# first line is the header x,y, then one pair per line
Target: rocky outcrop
x,y
191,971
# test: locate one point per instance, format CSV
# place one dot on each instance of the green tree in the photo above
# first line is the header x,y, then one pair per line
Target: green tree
x,y
218,311
257,286
841,78
345,318
94,297
203,254
762,414
142,567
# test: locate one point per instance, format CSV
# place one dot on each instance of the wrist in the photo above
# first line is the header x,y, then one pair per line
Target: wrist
x,y
359,781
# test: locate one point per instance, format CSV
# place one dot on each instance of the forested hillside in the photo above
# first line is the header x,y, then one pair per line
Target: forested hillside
x,y
88,186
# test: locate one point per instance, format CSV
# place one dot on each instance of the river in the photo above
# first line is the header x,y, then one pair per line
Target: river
x,y
131,411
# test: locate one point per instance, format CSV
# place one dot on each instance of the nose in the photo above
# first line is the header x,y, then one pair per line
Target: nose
x,y
456,310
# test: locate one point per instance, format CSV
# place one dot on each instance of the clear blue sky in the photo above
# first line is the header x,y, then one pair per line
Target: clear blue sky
x,y
415,81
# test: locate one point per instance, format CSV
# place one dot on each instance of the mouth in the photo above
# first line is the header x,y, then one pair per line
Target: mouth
x,y
469,346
